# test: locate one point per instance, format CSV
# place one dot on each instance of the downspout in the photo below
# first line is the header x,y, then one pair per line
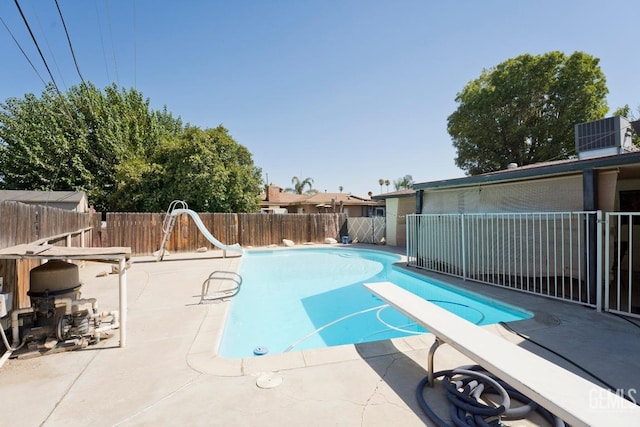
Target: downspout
x,y
419,199
416,231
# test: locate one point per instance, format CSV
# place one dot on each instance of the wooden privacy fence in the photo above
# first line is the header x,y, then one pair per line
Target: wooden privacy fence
x,y
22,223
143,233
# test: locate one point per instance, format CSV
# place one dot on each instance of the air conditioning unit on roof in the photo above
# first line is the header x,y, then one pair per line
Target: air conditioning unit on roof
x,y
603,137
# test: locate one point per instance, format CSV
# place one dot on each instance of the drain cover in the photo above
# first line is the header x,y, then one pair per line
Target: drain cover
x,y
269,380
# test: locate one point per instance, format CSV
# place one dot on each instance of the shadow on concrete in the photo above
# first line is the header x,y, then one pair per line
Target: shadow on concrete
x,y
401,374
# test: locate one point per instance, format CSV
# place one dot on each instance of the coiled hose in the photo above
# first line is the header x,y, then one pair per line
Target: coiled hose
x,y
465,386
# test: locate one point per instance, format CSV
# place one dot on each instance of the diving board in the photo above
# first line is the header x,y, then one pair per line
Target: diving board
x,y
567,395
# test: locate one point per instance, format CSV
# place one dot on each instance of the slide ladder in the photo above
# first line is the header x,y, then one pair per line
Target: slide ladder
x,y
178,207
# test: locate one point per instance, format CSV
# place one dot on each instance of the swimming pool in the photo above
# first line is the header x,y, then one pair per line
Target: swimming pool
x,y
297,299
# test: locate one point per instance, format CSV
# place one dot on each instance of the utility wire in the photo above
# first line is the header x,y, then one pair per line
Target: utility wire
x,y
73,55
113,49
35,12
104,53
53,80
23,52
135,48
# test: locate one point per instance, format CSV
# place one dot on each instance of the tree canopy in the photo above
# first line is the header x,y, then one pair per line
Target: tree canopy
x,y
524,110
126,156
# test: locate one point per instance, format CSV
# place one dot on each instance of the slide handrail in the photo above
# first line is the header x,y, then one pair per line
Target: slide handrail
x,y
166,224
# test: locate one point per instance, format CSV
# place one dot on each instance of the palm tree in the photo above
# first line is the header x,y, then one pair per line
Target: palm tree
x,y
387,182
381,182
340,188
403,183
298,186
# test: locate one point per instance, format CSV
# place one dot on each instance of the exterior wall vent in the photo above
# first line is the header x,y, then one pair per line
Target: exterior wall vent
x,y
603,137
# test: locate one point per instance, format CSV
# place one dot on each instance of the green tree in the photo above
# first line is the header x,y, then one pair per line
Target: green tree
x,y
403,183
626,112
299,185
41,143
76,141
126,156
206,168
381,182
524,110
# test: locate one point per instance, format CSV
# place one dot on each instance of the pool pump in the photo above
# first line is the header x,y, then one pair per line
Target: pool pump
x,y
58,319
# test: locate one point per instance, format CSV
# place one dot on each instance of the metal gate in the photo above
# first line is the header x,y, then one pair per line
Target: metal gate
x,y
367,229
622,263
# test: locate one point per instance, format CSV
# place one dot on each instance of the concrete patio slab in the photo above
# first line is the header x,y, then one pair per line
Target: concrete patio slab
x,y
169,373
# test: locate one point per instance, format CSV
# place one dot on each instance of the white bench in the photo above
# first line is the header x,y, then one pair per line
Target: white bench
x,y
567,395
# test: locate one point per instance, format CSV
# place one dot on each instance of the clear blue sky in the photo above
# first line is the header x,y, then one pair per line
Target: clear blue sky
x,y
344,92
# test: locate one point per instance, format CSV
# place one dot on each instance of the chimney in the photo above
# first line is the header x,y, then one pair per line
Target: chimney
x,y
273,193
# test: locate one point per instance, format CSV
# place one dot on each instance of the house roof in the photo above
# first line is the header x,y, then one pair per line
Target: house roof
x,y
283,198
28,196
395,194
347,199
537,170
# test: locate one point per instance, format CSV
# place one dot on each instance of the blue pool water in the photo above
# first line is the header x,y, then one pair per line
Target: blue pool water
x,y
298,299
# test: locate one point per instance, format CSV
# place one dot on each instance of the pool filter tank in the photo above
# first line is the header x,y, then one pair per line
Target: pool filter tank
x,y
58,319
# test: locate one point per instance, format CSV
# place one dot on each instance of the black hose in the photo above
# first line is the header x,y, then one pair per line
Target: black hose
x,y
626,318
467,411
594,376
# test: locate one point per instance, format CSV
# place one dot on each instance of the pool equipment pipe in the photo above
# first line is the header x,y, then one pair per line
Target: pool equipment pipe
x,y
9,348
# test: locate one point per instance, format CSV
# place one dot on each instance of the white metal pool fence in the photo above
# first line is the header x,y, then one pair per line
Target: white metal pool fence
x,y
554,254
622,262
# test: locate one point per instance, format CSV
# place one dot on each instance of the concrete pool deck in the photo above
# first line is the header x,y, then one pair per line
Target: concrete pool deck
x,y
169,374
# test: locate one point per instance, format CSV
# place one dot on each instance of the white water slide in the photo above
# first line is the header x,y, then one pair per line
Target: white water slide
x,y
169,221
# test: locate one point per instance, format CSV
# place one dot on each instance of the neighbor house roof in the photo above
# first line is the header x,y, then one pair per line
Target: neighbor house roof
x,y
537,170
69,199
41,196
275,196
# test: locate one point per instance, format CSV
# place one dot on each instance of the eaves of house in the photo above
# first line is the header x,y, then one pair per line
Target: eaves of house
x,y
535,171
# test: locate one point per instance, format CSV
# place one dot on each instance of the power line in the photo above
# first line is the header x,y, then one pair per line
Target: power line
x,y
23,52
113,49
35,12
53,80
73,55
135,48
104,53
